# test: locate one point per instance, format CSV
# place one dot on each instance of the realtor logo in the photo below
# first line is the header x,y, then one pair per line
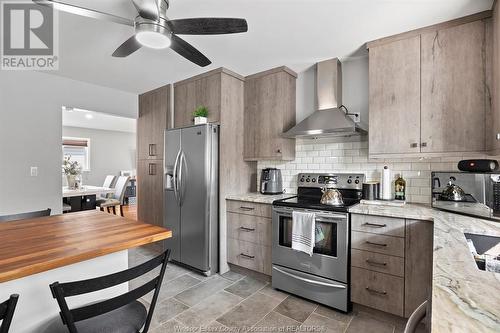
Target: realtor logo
x,y
28,36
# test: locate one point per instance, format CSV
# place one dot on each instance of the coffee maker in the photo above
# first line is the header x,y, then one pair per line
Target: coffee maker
x,y
271,181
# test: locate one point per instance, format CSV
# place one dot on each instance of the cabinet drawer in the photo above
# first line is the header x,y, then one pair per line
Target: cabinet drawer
x,y
253,229
394,246
249,255
249,208
378,262
377,290
378,225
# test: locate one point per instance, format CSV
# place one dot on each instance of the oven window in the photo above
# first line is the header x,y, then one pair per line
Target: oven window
x,y
326,236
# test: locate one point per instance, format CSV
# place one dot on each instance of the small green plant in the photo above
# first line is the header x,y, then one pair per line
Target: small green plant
x,y
201,111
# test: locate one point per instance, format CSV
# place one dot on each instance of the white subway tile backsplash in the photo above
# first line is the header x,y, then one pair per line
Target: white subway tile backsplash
x,y
353,157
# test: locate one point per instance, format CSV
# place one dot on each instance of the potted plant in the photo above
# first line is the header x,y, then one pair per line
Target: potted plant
x,y
200,115
72,170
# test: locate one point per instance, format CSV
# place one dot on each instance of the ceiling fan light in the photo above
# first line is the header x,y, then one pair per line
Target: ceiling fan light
x,y
153,39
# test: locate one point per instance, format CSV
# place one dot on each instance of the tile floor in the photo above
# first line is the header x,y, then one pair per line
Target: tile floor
x,y
234,302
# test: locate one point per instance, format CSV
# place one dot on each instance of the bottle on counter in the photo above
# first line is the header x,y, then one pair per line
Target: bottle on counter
x,y
400,188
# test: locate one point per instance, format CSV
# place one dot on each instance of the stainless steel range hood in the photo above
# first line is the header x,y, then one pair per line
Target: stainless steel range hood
x,y
332,118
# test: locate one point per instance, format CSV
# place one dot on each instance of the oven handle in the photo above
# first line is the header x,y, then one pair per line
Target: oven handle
x,y
330,216
309,280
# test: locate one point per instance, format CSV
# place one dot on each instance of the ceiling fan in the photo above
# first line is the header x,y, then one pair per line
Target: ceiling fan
x,y
154,30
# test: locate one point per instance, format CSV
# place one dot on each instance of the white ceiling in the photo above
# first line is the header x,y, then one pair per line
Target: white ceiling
x,y
296,33
97,120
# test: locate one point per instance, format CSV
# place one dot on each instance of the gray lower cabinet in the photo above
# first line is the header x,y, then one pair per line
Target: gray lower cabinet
x,y
249,235
391,263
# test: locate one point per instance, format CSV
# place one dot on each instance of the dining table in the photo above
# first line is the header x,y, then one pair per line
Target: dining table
x,y
83,198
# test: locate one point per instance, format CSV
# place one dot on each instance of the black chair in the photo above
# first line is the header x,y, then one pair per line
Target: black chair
x,y
23,216
7,312
120,314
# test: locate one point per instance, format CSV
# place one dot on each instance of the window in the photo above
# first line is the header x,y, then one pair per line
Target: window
x,y
78,149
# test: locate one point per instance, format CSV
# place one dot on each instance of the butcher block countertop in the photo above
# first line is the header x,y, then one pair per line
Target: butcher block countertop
x,y
37,245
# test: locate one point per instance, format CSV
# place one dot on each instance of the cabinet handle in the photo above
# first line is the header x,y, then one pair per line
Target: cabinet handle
x,y
413,145
247,229
247,256
152,148
247,208
152,169
375,225
376,263
424,144
498,136
376,244
278,151
376,291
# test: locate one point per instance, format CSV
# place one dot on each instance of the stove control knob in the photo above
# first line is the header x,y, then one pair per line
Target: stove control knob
x,y
356,181
314,180
349,181
308,180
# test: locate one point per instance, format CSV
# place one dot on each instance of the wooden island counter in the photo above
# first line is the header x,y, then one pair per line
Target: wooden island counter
x,y
82,245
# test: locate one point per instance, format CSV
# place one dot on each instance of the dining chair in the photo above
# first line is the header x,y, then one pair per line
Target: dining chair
x,y
117,198
108,182
121,314
23,216
7,309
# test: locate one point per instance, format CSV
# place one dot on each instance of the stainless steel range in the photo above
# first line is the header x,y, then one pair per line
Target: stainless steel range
x,y
324,276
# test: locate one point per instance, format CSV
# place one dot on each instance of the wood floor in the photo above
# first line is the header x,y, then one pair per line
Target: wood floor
x,y
130,212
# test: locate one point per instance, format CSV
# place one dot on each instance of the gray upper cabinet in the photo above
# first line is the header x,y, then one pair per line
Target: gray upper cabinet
x,y
394,97
454,89
430,89
154,115
269,111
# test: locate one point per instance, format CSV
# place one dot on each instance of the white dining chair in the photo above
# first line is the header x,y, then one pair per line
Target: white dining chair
x,y
117,197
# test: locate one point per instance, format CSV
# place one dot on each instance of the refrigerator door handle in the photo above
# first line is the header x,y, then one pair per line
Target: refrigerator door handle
x,y
182,164
175,180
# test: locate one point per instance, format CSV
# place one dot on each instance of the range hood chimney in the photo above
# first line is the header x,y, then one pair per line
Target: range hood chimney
x,y
332,119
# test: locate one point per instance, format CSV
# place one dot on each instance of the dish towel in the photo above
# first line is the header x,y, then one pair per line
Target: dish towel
x,y
303,232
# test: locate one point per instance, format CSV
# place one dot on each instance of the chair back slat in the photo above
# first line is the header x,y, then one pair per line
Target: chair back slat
x,y
121,187
7,309
71,316
108,181
96,309
24,216
87,286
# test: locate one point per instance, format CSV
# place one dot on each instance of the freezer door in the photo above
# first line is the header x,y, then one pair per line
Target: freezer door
x,y
195,186
172,216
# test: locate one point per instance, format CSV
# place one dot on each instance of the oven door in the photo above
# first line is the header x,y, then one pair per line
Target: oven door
x,y
330,257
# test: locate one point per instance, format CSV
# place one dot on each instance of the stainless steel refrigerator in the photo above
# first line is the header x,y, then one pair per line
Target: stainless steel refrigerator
x,y
192,195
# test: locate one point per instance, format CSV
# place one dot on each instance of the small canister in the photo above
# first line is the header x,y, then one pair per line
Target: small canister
x,y
371,190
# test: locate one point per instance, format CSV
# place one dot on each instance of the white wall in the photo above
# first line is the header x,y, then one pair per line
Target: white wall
x,y
31,132
110,152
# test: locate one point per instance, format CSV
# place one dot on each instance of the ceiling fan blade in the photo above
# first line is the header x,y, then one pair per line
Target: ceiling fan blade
x,y
188,51
147,9
127,48
64,7
208,26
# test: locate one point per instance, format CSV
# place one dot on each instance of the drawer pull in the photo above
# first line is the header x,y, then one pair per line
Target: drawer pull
x,y
247,208
376,244
383,293
247,229
247,256
376,263
375,225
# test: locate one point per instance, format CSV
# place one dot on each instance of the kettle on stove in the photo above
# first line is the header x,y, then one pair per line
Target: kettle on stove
x,y
271,181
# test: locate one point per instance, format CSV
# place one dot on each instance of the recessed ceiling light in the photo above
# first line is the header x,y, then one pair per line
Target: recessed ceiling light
x,y
89,116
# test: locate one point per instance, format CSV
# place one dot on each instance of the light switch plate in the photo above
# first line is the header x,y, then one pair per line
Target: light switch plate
x,y
34,171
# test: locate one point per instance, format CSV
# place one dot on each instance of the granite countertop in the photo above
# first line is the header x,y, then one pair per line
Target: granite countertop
x,y
258,197
464,299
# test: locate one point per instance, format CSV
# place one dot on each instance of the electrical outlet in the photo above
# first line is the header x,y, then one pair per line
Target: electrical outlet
x,y
34,171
